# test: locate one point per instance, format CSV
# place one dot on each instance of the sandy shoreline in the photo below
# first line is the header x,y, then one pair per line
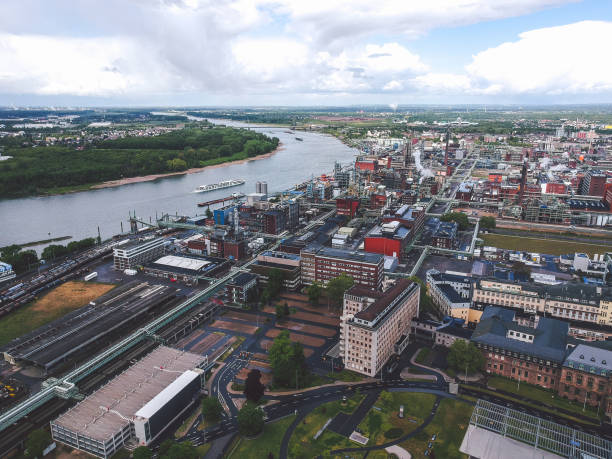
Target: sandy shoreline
x,y
149,178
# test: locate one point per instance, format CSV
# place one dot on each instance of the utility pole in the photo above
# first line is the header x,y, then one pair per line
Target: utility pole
x,y
585,398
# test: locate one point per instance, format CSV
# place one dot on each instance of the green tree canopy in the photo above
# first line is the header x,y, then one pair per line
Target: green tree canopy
x,y
460,218
36,442
142,452
487,222
20,260
184,450
314,293
288,361
275,282
211,408
464,355
250,420
253,388
336,288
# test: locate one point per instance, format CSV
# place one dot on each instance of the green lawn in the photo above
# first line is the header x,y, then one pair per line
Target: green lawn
x,y
345,375
378,421
302,444
530,404
541,245
422,355
449,425
540,395
268,442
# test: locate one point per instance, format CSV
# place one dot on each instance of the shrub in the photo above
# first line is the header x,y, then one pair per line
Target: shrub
x,y
394,432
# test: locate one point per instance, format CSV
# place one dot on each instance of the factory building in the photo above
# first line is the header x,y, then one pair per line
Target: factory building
x,y
135,406
593,184
136,253
390,239
374,326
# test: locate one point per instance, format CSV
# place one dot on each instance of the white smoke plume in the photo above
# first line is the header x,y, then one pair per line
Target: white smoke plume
x,y
416,154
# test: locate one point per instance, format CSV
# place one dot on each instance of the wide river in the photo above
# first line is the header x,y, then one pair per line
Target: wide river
x,y
79,214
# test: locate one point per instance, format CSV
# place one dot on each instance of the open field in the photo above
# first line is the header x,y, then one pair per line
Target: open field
x,y
302,444
297,326
265,444
55,304
449,426
233,326
542,245
305,340
417,407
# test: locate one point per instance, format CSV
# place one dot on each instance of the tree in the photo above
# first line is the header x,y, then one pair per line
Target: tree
x,y
184,450
521,268
336,288
280,312
250,420
463,355
459,217
314,293
211,408
142,452
165,447
209,213
287,361
275,282
487,222
36,442
253,388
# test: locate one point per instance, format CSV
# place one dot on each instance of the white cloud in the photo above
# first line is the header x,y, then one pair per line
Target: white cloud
x,y
554,60
312,48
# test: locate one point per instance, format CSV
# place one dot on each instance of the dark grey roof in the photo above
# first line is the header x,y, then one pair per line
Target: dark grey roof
x,y
550,335
242,279
452,294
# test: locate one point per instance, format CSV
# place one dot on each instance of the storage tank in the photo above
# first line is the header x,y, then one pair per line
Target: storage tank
x,y
91,276
264,188
258,187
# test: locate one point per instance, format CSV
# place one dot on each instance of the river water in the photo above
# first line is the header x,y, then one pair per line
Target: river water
x,y
79,214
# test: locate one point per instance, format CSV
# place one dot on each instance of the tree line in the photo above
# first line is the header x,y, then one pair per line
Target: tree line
x,y
35,170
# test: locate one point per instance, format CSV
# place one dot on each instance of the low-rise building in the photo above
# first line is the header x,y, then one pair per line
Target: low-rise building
x,y
238,289
187,269
287,263
445,235
585,376
530,349
323,264
452,295
136,253
374,325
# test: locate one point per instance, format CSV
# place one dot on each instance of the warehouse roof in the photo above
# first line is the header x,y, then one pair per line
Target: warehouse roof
x,y
105,412
192,264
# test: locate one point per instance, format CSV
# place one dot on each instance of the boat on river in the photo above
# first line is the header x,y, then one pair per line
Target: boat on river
x,y
219,186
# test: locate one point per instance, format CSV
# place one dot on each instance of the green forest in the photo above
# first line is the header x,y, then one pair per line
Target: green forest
x,y
40,170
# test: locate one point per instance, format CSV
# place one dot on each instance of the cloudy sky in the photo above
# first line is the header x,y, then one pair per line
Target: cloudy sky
x,y
304,52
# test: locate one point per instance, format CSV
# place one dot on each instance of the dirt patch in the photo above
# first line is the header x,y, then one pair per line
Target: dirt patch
x,y
189,338
299,326
203,345
318,318
222,349
55,304
251,318
70,295
261,357
298,337
265,343
234,326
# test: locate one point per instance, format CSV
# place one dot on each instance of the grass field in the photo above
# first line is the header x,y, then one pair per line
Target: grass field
x,y
542,245
537,394
268,442
378,421
449,426
53,305
302,444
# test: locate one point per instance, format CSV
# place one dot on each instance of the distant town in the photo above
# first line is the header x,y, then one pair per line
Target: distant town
x,y
445,293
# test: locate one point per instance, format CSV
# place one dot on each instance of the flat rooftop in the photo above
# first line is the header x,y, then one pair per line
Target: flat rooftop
x,y
173,261
110,408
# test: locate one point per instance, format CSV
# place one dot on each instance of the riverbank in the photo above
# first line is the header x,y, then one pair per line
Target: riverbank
x,y
149,178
